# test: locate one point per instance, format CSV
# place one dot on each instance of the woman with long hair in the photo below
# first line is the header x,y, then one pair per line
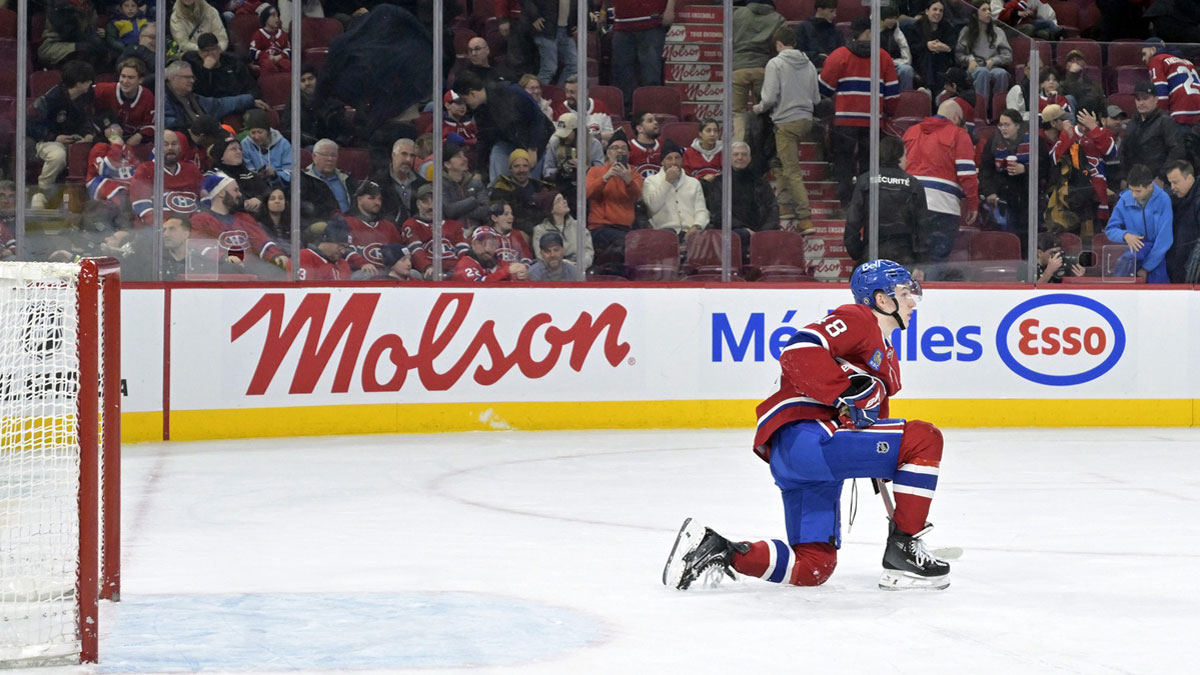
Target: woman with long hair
x,y
931,39
984,52
275,216
702,159
562,223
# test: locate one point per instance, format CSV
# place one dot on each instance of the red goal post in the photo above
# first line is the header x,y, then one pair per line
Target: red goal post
x,y
60,453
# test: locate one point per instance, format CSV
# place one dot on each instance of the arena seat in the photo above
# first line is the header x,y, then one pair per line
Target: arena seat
x,y
777,253
682,133
656,99
994,246
704,253
652,255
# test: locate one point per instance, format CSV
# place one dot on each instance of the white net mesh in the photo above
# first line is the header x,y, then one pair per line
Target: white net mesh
x,y
39,463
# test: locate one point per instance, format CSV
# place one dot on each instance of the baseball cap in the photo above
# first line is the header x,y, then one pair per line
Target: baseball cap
x,y
567,122
368,187
451,97
1053,113
425,191
1144,87
332,231
1114,112
550,239
1075,54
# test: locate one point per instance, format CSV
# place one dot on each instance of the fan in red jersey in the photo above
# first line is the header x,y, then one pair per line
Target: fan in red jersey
x,y
827,423
325,257
482,263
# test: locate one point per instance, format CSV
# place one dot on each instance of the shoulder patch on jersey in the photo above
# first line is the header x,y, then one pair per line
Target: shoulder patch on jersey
x,y
876,360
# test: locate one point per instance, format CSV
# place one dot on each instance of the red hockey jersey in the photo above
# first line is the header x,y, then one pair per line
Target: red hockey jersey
x,y
181,190
136,115
700,163
513,248
1177,85
316,267
110,170
817,362
236,234
368,240
469,269
466,129
417,235
847,78
264,45
1096,145
644,160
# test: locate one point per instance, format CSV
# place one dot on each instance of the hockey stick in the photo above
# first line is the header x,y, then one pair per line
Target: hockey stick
x,y
947,553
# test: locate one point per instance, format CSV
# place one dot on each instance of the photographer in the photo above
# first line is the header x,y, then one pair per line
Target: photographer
x,y
612,190
1053,265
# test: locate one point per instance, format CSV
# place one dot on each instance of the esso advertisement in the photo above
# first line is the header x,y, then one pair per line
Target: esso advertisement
x,y
1060,339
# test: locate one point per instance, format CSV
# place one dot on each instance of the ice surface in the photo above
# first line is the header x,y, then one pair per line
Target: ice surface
x,y
514,552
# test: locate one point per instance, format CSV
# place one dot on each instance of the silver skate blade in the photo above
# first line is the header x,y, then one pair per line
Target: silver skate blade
x,y
690,534
895,580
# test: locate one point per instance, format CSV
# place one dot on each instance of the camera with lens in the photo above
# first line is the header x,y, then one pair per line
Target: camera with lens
x,y
1083,259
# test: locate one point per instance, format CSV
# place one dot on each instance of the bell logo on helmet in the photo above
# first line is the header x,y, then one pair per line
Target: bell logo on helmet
x,y
1060,339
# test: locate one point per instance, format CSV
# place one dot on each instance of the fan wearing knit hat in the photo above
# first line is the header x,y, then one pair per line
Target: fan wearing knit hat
x,y
226,158
271,47
265,150
241,239
674,199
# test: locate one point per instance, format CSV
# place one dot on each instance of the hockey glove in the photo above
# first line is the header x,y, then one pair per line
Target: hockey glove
x,y
858,406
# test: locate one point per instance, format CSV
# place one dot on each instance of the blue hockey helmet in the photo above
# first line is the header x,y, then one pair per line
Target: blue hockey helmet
x,y
880,275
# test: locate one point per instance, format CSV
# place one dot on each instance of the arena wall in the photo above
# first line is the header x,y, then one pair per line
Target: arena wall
x,y
205,362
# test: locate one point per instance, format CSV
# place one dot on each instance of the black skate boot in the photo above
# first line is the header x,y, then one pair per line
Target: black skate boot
x,y
907,564
698,552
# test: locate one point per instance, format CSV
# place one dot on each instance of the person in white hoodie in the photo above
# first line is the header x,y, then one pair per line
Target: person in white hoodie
x,y
674,199
790,93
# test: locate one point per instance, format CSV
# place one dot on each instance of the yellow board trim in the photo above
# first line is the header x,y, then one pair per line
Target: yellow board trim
x,y
191,425
137,427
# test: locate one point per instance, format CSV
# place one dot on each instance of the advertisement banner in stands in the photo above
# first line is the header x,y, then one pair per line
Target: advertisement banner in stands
x,y
266,348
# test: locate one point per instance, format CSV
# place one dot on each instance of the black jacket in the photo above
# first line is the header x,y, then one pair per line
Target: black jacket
x,y
1153,141
532,10
398,205
1011,189
1186,229
55,114
509,115
231,77
754,205
901,208
817,38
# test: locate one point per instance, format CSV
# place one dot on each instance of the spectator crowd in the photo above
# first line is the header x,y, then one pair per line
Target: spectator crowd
x,y
1116,134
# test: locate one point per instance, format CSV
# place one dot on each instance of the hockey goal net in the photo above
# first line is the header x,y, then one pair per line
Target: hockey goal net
x,y
60,429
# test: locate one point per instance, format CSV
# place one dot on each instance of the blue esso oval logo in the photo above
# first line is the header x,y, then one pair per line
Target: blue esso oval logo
x,y
1060,339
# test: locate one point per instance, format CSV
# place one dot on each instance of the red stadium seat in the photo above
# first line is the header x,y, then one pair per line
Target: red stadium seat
x,y
315,57
276,88
554,94
914,103
319,32
652,255
77,161
777,252
1071,242
241,31
994,246
1090,49
1125,78
682,133
1066,13
611,98
1124,53
849,10
8,23
999,103
354,161
704,253
42,81
1021,48
795,10
462,36
666,100
995,273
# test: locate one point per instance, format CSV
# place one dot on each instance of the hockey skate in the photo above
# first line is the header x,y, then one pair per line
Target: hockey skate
x,y
700,553
907,564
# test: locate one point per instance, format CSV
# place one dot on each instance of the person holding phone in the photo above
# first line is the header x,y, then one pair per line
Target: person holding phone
x,y
613,190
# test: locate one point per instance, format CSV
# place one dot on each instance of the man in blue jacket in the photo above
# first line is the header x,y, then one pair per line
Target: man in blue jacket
x,y
1143,221
181,105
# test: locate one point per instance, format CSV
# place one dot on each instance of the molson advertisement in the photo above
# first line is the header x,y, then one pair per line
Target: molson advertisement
x,y
367,359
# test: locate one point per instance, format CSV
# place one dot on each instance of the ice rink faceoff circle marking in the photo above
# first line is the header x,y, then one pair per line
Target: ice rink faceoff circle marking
x,y
338,631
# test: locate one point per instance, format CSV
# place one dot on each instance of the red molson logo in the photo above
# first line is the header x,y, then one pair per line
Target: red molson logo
x,y
351,324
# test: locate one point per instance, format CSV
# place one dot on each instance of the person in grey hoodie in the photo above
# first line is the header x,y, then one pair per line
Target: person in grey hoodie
x,y
789,93
754,27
